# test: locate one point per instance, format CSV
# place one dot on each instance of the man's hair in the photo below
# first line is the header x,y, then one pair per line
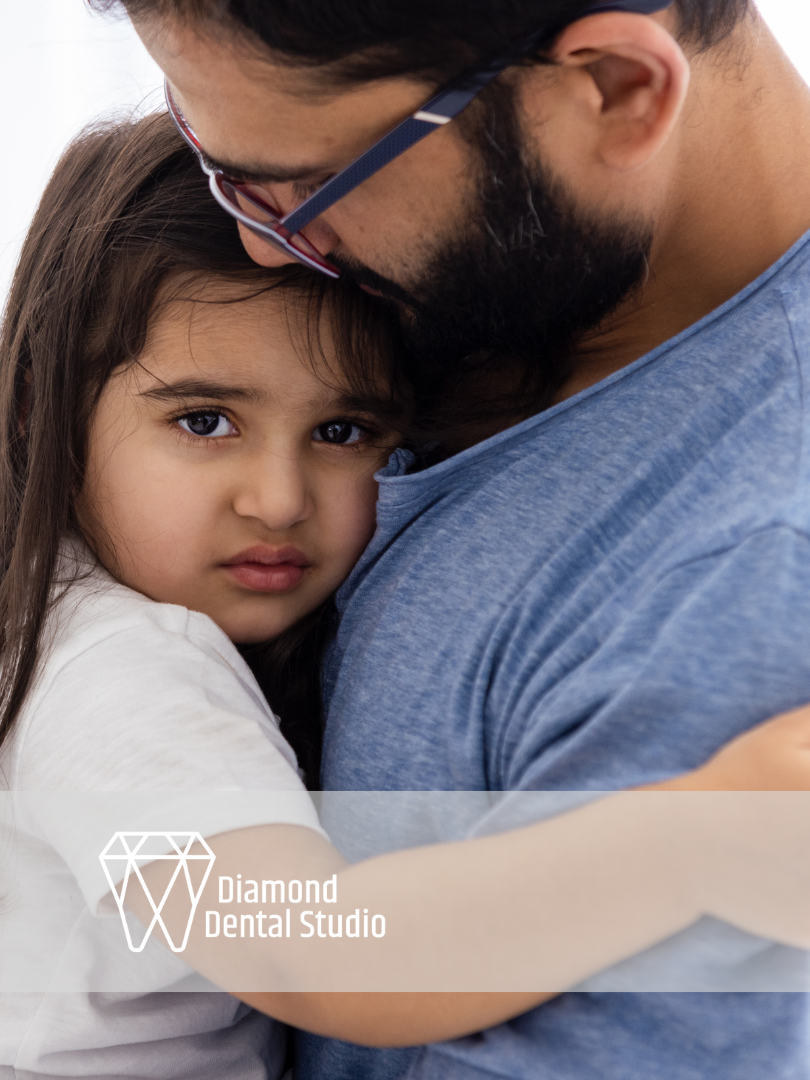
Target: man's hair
x,y
359,40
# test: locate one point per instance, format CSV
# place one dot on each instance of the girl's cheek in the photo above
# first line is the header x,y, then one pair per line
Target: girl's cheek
x,y
367,517
355,519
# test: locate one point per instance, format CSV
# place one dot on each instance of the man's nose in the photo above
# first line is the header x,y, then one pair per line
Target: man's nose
x,y
265,253
262,251
275,492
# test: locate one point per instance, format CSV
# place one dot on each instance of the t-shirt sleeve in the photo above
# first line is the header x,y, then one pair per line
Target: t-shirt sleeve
x,y
151,730
711,649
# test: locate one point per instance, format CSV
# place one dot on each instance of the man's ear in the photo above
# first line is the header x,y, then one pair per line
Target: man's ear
x,y
631,77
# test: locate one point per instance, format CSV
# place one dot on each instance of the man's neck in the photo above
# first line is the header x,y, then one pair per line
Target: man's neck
x,y
740,200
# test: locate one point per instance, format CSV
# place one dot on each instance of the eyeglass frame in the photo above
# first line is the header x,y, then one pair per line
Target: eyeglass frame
x,y
435,113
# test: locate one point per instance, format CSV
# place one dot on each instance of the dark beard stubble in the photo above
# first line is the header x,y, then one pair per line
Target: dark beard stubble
x,y
493,322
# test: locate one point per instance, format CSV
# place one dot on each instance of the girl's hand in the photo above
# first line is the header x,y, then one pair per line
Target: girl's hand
x,y
772,757
748,858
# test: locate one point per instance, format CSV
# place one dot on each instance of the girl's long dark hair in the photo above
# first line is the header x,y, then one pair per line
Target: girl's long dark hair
x,y
126,214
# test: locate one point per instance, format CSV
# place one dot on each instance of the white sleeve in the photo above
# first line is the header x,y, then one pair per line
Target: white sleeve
x,y
151,730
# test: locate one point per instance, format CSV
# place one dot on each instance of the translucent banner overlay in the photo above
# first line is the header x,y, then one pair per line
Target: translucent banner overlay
x,y
427,891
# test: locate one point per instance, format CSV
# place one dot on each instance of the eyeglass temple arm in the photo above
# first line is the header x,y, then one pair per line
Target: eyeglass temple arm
x,y
438,111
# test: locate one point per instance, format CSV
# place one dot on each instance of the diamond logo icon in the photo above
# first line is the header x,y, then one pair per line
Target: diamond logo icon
x,y
191,856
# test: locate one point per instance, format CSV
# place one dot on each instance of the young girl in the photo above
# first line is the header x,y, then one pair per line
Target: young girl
x,y
188,457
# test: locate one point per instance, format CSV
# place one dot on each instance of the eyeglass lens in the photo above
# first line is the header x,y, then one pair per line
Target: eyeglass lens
x,y
251,202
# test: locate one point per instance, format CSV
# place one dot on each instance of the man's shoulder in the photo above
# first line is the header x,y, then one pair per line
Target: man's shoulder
x,y
695,387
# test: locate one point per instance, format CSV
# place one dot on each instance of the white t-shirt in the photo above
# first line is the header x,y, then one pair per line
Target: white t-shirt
x,y
131,696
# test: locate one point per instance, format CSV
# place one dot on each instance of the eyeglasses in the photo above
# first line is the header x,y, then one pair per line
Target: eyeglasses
x,y
248,203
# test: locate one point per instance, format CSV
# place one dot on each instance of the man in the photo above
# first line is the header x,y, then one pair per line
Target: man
x,y
603,594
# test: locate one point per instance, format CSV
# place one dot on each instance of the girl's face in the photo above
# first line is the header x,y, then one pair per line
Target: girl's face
x,y
225,476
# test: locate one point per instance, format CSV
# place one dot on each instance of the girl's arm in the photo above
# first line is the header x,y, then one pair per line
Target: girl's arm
x,y
499,924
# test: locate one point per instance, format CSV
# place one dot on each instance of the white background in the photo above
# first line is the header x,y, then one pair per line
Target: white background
x,y
61,67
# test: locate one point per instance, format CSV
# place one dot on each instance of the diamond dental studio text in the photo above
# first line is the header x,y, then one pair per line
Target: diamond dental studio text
x,y
274,925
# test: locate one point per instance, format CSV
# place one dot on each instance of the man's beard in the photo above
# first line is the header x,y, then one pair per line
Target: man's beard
x,y
528,277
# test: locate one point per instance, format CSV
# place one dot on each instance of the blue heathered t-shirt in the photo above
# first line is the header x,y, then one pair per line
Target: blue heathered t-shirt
x,y
595,599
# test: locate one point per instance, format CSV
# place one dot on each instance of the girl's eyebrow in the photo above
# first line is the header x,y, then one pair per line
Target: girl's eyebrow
x,y
203,388
186,389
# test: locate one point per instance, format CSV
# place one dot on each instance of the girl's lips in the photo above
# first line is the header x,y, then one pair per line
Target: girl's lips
x,y
268,570
262,578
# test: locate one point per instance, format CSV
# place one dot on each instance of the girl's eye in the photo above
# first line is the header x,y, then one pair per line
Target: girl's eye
x,y
339,433
207,425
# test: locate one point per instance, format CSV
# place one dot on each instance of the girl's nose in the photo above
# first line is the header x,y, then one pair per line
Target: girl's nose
x,y
275,492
